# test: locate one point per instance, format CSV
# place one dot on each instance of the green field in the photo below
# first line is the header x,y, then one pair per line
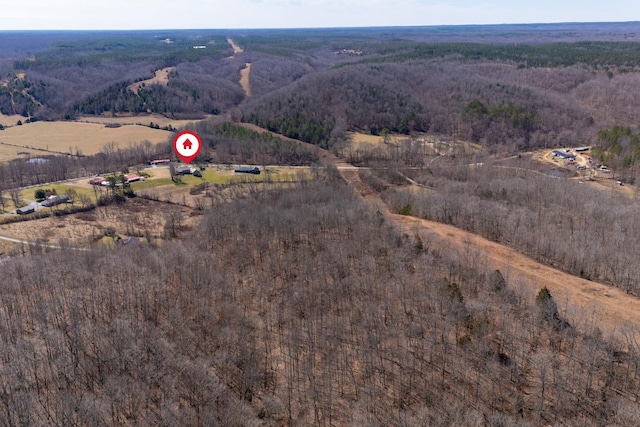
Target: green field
x,y
226,176
29,193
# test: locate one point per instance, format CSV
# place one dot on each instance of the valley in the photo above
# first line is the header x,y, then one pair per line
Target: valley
x,y
444,229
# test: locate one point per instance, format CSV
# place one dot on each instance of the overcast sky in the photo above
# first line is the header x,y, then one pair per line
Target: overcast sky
x,y
165,14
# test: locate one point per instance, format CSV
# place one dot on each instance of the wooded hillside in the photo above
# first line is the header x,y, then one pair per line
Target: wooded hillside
x,y
300,306
325,300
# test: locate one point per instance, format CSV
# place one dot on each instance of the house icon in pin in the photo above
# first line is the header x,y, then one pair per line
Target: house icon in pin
x,y
187,144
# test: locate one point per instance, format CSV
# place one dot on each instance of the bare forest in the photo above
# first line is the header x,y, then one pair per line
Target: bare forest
x,y
296,306
328,300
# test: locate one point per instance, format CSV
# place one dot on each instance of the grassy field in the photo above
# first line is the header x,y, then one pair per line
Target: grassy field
x,y
66,137
29,193
10,120
220,175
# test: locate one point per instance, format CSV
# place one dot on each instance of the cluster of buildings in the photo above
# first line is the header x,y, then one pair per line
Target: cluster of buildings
x,y
101,181
49,202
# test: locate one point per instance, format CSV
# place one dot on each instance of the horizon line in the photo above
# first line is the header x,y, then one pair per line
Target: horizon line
x,y
504,24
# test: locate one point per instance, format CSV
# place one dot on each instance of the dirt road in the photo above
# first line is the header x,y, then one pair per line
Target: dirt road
x,y
244,79
581,301
235,47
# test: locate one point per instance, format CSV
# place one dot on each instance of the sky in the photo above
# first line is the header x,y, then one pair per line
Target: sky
x,y
218,14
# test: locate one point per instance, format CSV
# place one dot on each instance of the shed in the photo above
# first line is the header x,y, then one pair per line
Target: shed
x,y
26,210
132,177
254,170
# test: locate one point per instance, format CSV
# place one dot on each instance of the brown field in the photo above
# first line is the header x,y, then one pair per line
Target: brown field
x,y
141,119
244,78
433,144
65,137
364,138
9,152
10,120
161,77
136,217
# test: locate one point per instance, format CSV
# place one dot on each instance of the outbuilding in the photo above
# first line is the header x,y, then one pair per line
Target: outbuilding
x,y
254,170
26,210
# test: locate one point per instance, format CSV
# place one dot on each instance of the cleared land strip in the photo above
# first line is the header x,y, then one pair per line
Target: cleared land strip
x,y
244,79
583,301
236,48
160,77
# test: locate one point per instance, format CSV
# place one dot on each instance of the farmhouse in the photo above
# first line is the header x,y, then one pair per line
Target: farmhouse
x,y
183,170
55,200
564,155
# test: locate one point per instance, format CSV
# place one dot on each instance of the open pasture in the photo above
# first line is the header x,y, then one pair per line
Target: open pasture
x,y
10,120
74,137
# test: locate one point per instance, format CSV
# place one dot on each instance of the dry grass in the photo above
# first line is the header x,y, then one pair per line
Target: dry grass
x,y
161,77
358,138
142,119
9,152
10,120
65,137
136,217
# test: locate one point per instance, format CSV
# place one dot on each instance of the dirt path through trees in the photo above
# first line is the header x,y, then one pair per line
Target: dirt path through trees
x,y
160,77
236,48
584,303
244,79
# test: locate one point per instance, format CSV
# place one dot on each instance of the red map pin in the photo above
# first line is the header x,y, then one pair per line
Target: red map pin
x,y
187,145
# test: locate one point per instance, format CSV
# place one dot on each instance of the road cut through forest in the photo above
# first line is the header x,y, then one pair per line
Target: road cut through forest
x,y
582,302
